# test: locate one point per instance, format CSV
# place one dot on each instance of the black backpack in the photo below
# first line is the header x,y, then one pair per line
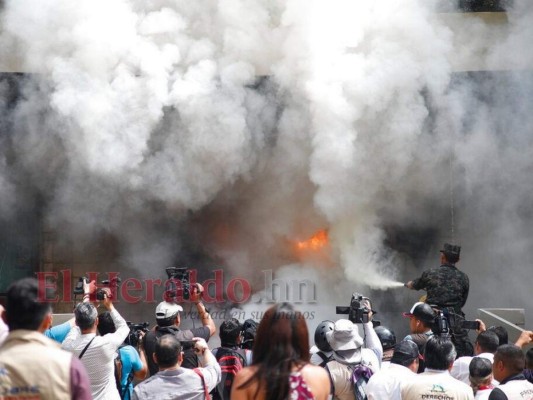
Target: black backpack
x,y
231,361
124,392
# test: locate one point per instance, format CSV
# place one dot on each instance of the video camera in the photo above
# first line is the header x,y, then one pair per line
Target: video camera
x,y
178,285
447,322
133,338
100,294
187,344
357,312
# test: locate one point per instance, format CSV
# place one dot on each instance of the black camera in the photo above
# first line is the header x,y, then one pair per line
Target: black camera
x,y
78,289
441,325
178,285
357,312
470,325
134,337
447,322
110,283
187,344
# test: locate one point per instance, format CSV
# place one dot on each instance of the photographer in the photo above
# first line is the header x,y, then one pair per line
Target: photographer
x,y
174,382
97,353
355,358
168,322
132,359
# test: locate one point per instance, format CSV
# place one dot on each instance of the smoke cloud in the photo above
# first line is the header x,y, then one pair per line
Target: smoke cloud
x,y
221,132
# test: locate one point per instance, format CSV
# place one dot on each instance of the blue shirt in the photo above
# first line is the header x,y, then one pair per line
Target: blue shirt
x,y
131,362
59,332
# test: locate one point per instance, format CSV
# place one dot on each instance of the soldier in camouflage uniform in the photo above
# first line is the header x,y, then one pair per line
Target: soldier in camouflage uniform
x,y
447,288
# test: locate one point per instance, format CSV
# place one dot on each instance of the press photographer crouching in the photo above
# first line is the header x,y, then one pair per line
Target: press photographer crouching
x,y
131,358
168,319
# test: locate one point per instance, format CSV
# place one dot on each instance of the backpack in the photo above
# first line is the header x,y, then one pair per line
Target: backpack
x,y
360,375
231,361
123,392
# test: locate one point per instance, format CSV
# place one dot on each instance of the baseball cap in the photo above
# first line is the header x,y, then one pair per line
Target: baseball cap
x,y
421,311
406,350
167,310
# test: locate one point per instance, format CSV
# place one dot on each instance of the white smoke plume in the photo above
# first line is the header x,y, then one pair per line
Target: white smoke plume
x,y
154,122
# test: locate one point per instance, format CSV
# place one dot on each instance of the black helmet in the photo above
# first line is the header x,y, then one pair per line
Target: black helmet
x,y
386,337
320,335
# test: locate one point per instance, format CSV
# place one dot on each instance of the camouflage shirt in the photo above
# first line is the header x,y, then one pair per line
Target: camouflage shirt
x,y
446,286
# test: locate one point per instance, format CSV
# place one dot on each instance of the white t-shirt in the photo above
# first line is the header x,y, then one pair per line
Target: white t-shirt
x,y
98,359
460,369
432,383
385,384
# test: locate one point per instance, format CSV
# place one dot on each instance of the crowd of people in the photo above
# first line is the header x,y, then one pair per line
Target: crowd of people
x,y
89,356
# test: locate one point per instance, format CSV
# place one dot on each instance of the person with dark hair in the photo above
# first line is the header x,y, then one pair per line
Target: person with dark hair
x,y
31,365
321,352
528,370
485,346
447,288
502,334
439,354
480,377
97,353
132,361
385,384
58,332
172,381
280,363
507,368
230,356
387,337
249,330
168,322
421,320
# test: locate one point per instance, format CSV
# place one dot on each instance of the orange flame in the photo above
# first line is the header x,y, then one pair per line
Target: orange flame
x,y
315,242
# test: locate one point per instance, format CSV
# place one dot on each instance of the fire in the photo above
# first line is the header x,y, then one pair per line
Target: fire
x,y
315,242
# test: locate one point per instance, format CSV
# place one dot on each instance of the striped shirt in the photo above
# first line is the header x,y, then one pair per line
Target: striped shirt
x,y
99,356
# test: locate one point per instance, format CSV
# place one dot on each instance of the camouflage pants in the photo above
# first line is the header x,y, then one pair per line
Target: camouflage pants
x,y
460,338
462,343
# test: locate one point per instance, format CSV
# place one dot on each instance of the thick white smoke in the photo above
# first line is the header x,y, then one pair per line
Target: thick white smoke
x,y
148,120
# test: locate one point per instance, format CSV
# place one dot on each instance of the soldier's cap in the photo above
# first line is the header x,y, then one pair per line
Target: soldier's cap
x,y
421,311
451,250
406,350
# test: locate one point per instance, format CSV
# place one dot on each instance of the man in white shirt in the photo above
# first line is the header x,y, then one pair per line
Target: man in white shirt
x,y
436,382
385,384
175,382
485,346
97,353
